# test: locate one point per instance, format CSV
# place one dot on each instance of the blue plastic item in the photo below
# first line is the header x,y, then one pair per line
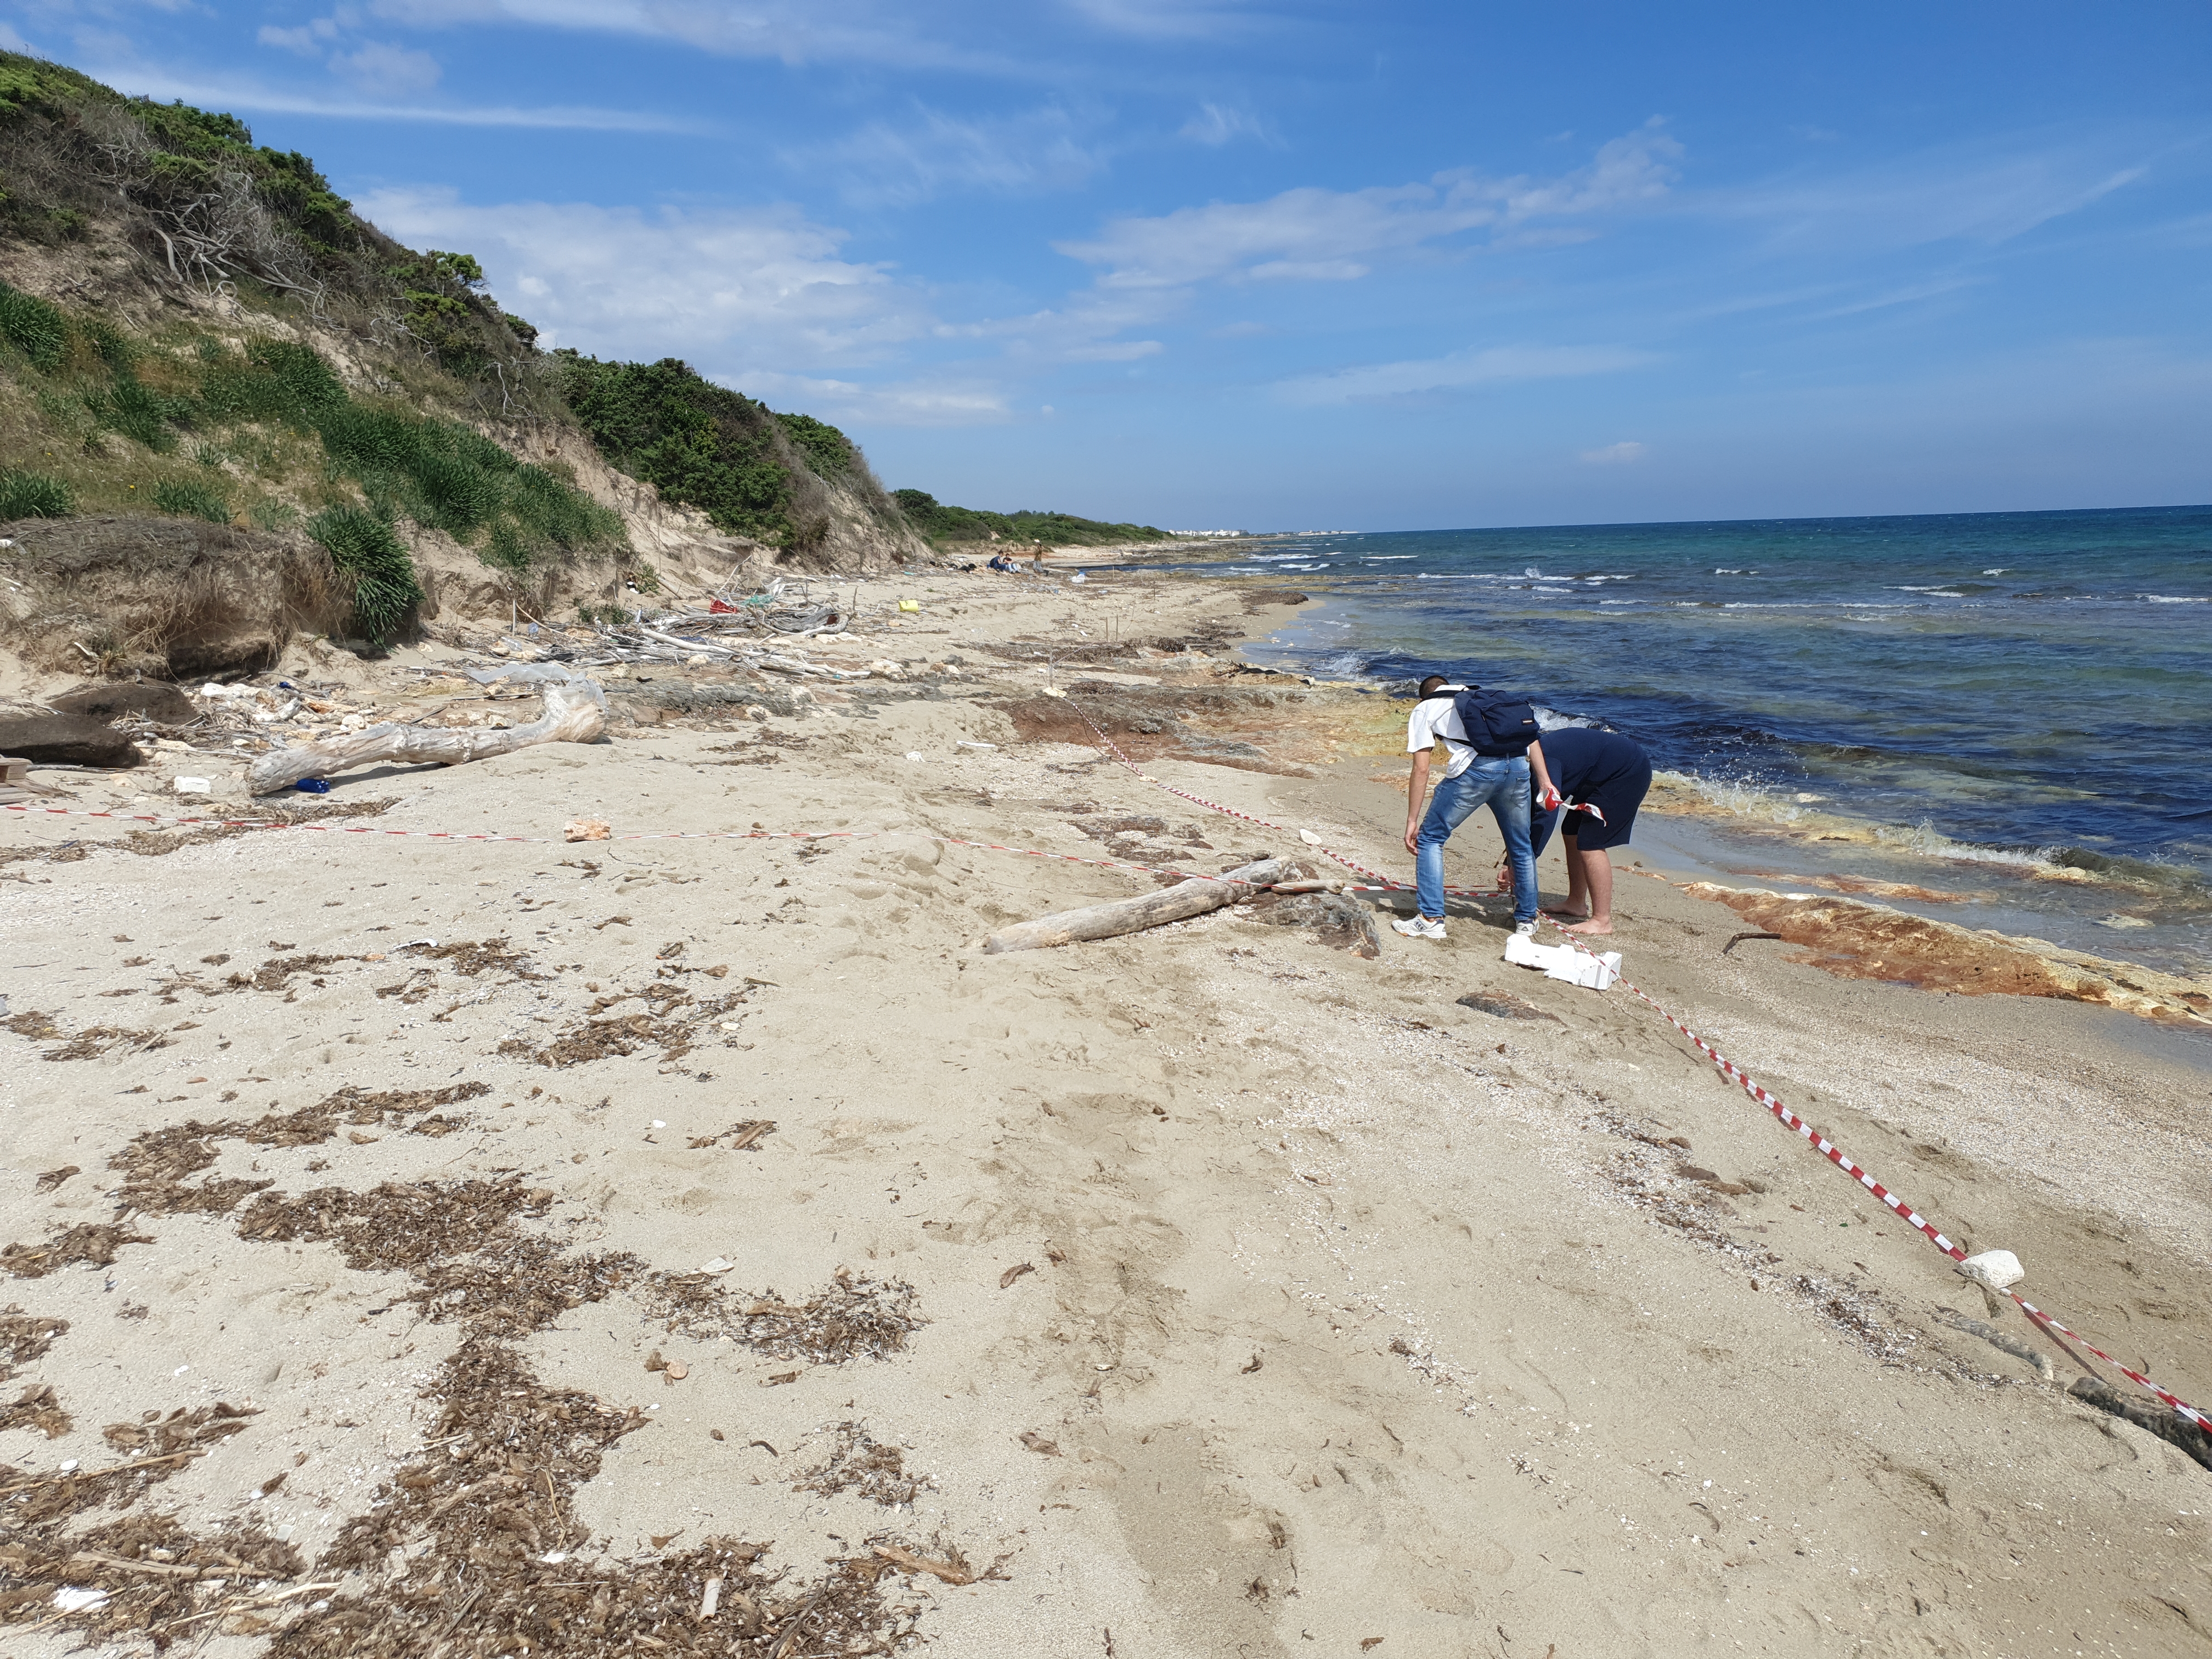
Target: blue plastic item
x,y
313,786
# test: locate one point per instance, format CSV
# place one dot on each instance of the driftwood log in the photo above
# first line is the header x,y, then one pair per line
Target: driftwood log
x,y
575,713
1185,899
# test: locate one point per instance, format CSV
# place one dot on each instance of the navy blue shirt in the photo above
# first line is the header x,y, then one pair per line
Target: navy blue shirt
x,y
1603,768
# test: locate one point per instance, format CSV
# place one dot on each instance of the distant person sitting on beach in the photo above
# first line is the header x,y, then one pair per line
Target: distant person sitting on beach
x,y
1600,769
1001,562
1489,765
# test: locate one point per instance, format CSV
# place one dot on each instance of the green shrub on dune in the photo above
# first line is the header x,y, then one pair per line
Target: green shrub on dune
x,y
34,495
139,413
941,525
32,327
184,498
365,548
271,381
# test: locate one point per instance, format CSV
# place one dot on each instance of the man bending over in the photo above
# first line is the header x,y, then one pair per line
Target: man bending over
x,y
1601,769
1490,767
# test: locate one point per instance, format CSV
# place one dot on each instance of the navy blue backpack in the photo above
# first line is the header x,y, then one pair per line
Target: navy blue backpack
x,y
1496,725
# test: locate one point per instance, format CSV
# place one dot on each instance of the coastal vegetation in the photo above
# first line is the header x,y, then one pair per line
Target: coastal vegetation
x,y
193,422
752,472
943,525
196,325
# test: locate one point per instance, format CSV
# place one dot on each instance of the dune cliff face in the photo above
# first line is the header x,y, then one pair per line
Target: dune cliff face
x,y
198,330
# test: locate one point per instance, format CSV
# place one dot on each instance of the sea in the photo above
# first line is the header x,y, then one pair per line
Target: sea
x,y
2013,709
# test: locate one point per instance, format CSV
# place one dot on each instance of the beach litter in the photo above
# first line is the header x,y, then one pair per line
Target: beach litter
x,y
1565,963
1994,1269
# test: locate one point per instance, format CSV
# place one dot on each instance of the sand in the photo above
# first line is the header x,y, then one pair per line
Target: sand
x,y
1201,1292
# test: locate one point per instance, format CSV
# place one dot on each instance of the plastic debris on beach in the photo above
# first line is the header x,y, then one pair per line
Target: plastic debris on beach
x,y
1564,962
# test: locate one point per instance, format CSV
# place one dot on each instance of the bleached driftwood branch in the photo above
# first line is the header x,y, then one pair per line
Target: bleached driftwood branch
x,y
575,713
1185,899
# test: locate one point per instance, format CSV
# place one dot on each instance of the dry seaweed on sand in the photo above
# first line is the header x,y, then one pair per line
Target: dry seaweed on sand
x,y
593,1038
358,1108
855,1318
92,1242
476,1548
275,974
34,1500
154,1164
858,1462
157,1580
37,1407
741,1137
469,957
182,1428
88,1044
158,843
25,1337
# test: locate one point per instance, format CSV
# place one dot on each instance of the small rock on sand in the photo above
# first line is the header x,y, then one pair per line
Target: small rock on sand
x,y
1505,1006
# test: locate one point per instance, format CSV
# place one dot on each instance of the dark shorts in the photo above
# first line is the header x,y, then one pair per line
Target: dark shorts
x,y
1617,796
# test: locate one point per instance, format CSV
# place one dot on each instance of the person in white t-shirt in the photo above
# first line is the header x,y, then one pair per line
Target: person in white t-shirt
x,y
1470,780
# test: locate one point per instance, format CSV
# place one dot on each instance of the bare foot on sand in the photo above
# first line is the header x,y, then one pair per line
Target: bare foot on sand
x,y
1565,913
1586,927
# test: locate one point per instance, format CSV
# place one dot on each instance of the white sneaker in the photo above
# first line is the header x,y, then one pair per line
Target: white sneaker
x,y
1419,927
1527,929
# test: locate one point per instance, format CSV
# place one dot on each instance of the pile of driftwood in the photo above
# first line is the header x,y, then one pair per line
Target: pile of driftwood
x,y
575,712
732,624
1283,891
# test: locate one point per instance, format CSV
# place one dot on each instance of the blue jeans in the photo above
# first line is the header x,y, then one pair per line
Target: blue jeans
x,y
1503,781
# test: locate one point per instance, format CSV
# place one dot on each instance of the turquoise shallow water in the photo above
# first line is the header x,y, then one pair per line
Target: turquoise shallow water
x,y
2003,690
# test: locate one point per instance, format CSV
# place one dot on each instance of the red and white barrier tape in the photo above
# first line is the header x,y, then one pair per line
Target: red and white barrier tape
x,y
1904,1211
1730,1070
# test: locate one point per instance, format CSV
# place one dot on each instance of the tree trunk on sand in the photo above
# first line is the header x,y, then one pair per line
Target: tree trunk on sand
x,y
1185,899
574,713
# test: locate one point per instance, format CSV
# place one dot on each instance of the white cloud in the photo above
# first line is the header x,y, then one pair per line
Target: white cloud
x,y
307,40
11,41
1113,351
1460,371
949,400
249,95
1216,125
1618,454
1040,149
1328,234
1903,296
388,72
1168,20
790,31
1932,197
736,292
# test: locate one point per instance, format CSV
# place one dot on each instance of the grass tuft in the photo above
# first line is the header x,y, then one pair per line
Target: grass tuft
x,y
182,498
365,547
32,327
34,495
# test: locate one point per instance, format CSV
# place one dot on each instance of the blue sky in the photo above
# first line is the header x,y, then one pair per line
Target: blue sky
x,y
1311,264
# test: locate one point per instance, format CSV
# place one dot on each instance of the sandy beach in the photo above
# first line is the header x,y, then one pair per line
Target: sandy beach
x,y
441,1247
